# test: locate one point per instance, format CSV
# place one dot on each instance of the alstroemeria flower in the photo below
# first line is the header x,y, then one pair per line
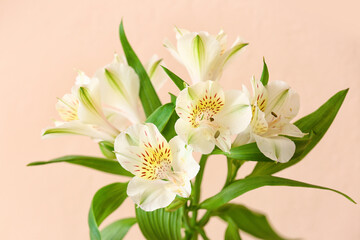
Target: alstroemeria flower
x,y
82,113
119,86
156,74
203,55
273,107
209,116
162,169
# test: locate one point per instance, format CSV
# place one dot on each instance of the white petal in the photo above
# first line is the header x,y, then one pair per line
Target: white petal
x,y
183,160
199,52
236,113
223,139
67,107
157,75
77,128
258,123
282,100
279,149
150,194
201,139
119,85
243,137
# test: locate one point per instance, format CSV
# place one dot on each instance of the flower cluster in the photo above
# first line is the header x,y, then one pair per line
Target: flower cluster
x,y
106,107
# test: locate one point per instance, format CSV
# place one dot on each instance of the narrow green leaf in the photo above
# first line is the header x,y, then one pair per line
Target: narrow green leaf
x,y
248,152
169,131
265,74
118,229
149,99
316,123
105,201
232,231
160,224
181,84
107,149
161,116
249,221
242,186
100,164
172,98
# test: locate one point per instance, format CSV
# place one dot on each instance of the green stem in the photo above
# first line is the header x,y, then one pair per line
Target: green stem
x,y
203,234
205,219
196,192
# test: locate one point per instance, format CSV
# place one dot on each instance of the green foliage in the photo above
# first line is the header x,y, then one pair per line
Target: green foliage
x,y
161,116
100,164
181,84
159,224
316,124
149,99
232,231
265,74
239,187
107,149
249,221
105,201
118,229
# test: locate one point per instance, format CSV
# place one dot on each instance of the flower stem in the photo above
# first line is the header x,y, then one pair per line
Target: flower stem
x,y
197,189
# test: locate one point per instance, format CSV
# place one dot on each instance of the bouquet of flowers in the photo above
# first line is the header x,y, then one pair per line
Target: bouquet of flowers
x,y
153,143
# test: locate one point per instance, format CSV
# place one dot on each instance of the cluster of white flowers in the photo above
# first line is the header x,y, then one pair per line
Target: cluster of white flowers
x,y
106,107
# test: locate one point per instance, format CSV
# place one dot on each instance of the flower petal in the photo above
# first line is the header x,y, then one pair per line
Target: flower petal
x,y
279,149
282,101
150,194
201,139
155,72
243,137
77,128
236,113
119,86
183,160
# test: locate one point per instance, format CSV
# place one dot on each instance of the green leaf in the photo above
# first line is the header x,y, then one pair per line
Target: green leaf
x,y
316,123
172,98
176,204
232,231
161,116
107,149
169,130
242,186
100,164
248,152
249,221
160,224
265,74
181,84
149,99
105,201
118,229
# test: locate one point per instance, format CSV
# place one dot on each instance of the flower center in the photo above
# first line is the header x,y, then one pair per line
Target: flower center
x,y
156,161
205,110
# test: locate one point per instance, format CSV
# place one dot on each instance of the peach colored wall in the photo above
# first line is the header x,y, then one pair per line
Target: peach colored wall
x,y
313,45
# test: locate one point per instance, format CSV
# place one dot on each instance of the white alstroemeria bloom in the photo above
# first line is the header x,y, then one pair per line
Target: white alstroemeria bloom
x,y
162,169
157,75
119,88
82,113
203,55
273,107
209,116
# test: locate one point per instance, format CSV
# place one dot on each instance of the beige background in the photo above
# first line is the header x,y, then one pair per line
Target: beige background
x,y
313,45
